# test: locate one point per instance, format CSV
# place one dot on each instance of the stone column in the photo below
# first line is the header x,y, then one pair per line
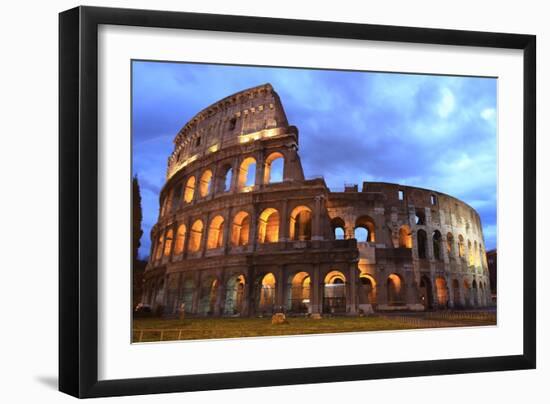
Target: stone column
x,y
196,292
253,240
315,289
316,230
285,221
187,237
352,289
220,294
226,230
280,288
235,176
259,176
205,231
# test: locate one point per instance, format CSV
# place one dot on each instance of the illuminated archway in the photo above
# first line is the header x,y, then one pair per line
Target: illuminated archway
x,y
442,292
266,301
215,233
450,241
334,292
299,296
195,237
405,236
180,239
247,174
234,295
160,246
241,229
365,229
426,292
470,254
367,285
205,186
394,286
300,223
460,246
268,226
274,167
189,190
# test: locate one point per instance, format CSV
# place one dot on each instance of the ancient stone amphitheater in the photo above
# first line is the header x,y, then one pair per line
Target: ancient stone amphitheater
x,y
235,237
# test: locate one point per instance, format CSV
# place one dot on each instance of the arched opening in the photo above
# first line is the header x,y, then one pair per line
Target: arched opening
x,y
189,190
241,229
426,292
476,255
188,288
215,233
470,254
180,239
274,167
364,229
405,236
334,293
160,245
208,296
450,241
168,242
195,236
475,296
338,228
436,240
442,292
247,174
299,298
266,301
456,294
394,286
460,246
234,295
421,240
420,217
167,205
268,226
205,186
367,287
300,223
225,179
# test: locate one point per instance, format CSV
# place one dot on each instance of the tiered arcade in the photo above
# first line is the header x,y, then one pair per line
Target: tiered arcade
x,y
233,238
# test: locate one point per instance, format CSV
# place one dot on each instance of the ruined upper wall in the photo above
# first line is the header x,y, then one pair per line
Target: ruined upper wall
x,y
247,115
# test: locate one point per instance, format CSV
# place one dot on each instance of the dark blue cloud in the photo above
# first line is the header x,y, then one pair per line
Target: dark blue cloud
x,y
436,132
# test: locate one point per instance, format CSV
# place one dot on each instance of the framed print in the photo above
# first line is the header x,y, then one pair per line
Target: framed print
x,y
251,201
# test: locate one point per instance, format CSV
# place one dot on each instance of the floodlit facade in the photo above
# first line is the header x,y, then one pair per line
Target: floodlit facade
x,y
234,237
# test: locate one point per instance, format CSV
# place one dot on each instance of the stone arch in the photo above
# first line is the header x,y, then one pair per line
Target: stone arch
x,y
234,295
267,294
205,183
272,172
334,292
195,238
240,231
208,295
160,246
189,192
180,239
367,287
460,246
442,292
225,178
470,254
187,292
449,244
395,290
436,241
426,292
421,244
215,233
405,236
338,228
300,223
299,296
268,226
367,223
247,174
168,239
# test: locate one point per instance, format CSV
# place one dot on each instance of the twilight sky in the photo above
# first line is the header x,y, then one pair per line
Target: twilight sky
x,y
435,132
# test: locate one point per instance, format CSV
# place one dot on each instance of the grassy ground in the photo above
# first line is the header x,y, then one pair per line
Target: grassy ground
x,y
148,329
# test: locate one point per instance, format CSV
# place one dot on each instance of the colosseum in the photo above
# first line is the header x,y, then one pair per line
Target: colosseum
x,y
234,239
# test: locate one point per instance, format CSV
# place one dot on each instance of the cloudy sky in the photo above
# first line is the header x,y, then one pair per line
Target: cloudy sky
x,y
436,132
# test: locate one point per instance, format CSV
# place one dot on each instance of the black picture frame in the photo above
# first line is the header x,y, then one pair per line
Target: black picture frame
x,y
78,201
